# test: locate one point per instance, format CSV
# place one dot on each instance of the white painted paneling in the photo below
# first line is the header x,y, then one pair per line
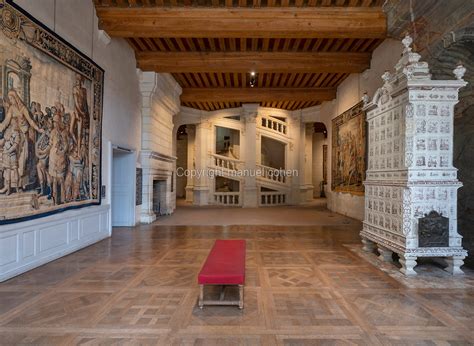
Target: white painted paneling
x,y
104,222
90,225
74,230
8,249
53,236
29,244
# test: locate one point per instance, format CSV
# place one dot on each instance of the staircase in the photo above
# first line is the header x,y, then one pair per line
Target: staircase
x,y
272,185
227,167
225,163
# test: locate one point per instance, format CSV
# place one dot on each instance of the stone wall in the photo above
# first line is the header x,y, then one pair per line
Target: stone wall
x,y
443,33
349,93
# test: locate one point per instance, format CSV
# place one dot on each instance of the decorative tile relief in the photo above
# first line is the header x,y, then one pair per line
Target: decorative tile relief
x,y
410,171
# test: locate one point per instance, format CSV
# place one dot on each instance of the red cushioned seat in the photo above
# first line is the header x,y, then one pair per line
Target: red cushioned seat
x,y
225,264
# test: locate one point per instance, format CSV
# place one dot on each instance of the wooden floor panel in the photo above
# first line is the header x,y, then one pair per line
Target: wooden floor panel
x,y
304,286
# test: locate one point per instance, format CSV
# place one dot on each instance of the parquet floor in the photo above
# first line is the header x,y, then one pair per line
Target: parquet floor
x,y
304,287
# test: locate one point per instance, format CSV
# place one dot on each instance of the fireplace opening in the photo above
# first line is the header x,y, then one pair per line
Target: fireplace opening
x,y
159,194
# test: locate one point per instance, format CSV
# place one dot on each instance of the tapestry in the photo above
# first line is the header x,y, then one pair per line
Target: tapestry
x,y
50,121
349,151
325,163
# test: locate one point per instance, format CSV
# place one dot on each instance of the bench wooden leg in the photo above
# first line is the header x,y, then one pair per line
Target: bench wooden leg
x,y
241,297
201,296
222,296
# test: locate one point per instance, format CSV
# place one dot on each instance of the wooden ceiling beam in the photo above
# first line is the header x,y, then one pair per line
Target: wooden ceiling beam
x,y
257,94
273,22
244,62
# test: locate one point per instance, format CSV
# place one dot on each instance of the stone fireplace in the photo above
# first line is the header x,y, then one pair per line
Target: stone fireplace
x,y
160,102
159,197
157,189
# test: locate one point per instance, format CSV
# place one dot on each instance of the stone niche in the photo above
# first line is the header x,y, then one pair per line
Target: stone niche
x,y
411,184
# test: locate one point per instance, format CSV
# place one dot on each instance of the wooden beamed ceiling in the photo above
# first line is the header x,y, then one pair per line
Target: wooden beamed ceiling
x,y
301,50
243,22
257,94
243,62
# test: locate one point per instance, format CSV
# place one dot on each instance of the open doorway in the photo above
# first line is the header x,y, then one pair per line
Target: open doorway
x,y
123,187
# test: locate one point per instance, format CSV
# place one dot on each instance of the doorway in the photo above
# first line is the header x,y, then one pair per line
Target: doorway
x,y
123,187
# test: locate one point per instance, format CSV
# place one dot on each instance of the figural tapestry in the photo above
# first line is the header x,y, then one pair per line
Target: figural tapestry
x,y
349,151
50,121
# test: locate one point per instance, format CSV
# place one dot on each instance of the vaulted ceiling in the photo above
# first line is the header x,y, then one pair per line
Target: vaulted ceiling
x,y
301,50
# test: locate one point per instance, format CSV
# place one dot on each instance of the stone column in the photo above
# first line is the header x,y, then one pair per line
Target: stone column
x,y
296,131
147,215
147,89
202,149
306,164
250,193
191,131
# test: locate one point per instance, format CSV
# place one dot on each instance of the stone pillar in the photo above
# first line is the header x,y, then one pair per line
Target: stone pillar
x,y
191,131
294,156
201,180
306,164
147,215
147,89
250,193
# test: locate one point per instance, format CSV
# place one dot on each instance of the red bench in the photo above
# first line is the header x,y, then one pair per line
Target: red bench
x,y
225,265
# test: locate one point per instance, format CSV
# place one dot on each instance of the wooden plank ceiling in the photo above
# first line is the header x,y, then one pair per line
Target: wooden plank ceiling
x,y
298,70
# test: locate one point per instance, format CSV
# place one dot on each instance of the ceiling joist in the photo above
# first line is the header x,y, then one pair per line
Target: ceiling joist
x,y
333,22
243,62
257,94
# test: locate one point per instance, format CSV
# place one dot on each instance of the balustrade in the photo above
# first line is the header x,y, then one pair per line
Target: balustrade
x,y
272,198
225,162
275,125
272,174
227,198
